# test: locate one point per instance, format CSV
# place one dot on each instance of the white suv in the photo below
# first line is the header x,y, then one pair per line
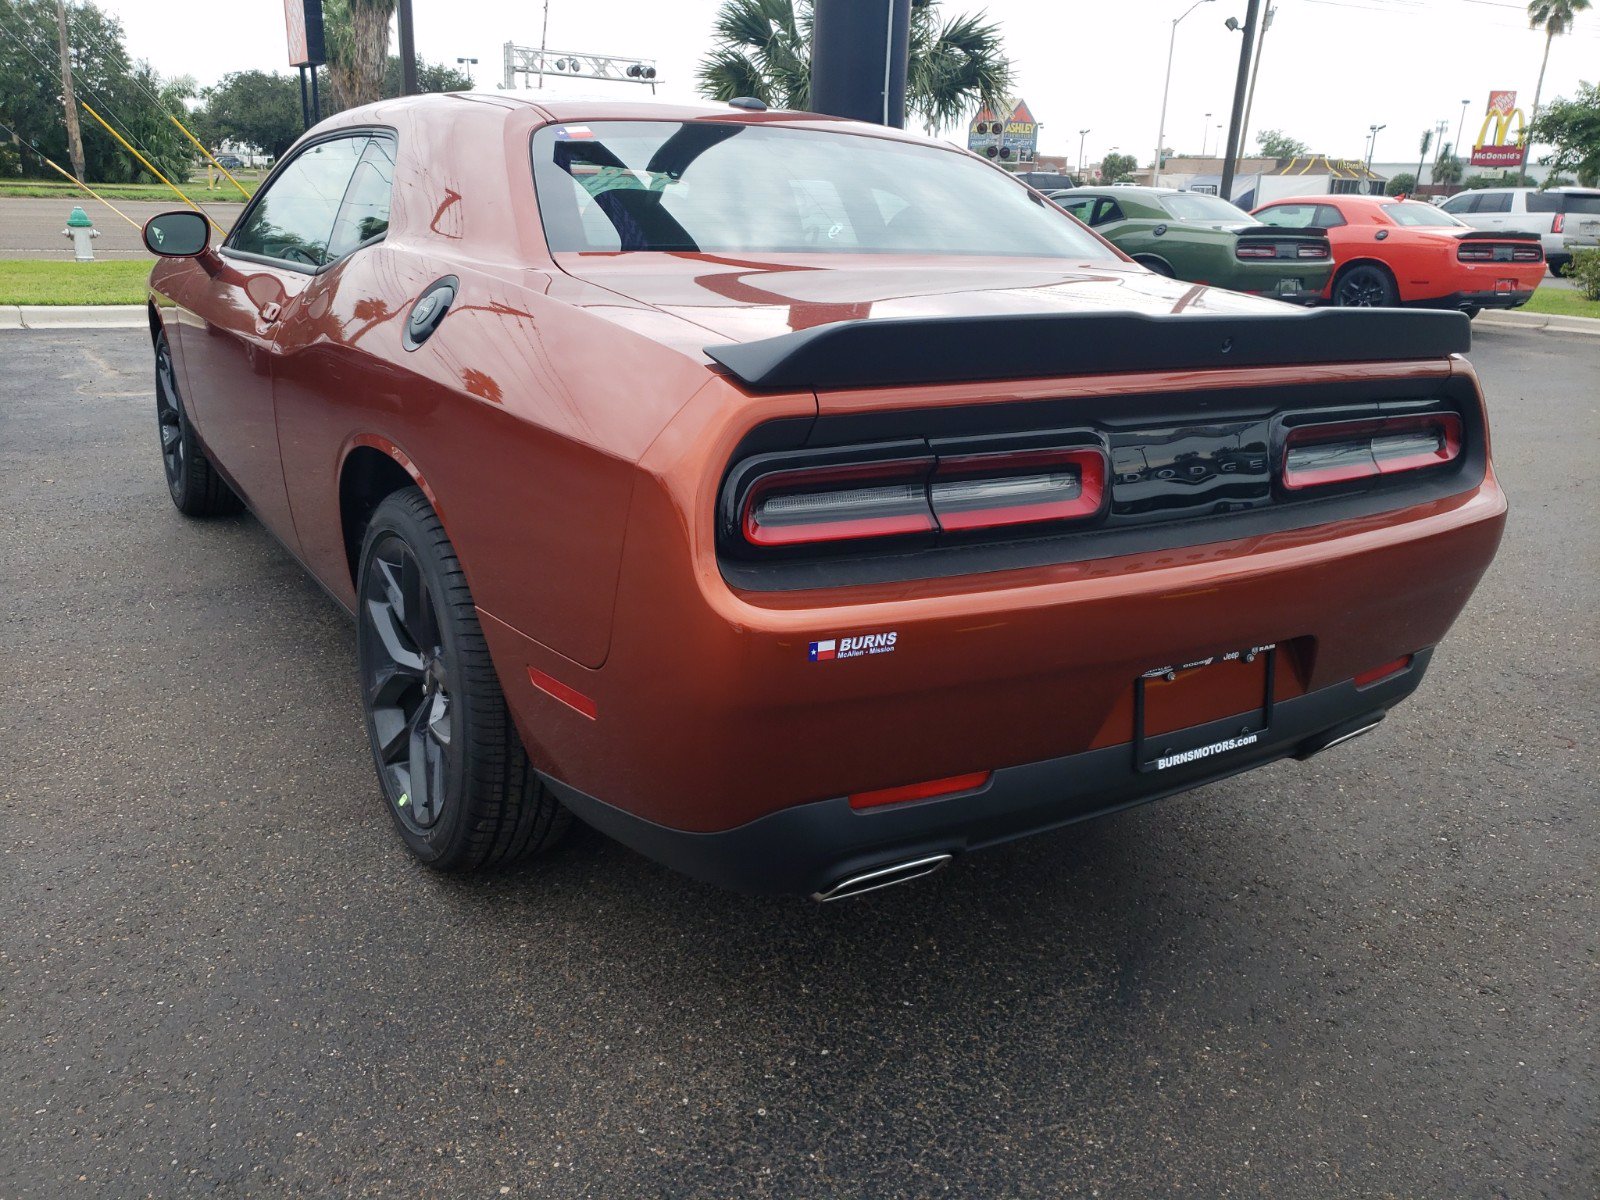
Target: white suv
x,y
1566,218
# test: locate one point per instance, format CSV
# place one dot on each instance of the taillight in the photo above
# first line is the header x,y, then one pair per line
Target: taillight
x,y
1317,455
1488,252
1469,252
835,503
1528,253
1559,225
983,491
1255,250
922,494
1314,250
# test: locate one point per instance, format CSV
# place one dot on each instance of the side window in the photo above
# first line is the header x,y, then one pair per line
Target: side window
x,y
1494,202
1328,217
1108,212
1078,208
293,219
1287,216
1464,203
364,215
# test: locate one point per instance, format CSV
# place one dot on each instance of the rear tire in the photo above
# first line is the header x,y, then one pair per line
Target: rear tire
x,y
453,771
1156,265
192,482
1364,285
1559,265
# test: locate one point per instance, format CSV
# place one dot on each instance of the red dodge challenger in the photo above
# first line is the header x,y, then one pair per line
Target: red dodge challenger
x,y
800,502
1404,252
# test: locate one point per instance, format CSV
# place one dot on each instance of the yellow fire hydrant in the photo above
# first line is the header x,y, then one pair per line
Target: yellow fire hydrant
x,y
82,232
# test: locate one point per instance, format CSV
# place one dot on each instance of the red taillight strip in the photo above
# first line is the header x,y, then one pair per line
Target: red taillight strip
x,y
913,521
1089,462
1356,433
570,696
947,786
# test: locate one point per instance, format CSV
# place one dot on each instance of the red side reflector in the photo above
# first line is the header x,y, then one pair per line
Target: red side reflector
x,y
948,786
1379,674
571,697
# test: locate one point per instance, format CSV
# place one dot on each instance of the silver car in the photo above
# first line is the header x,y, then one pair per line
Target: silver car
x,y
1566,218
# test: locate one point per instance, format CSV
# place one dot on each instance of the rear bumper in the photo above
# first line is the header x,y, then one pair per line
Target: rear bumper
x,y
809,848
1463,300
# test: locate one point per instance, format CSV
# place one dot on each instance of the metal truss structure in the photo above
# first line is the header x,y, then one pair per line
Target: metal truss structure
x,y
531,61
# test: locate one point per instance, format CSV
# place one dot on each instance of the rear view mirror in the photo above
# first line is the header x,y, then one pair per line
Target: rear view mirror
x,y
181,234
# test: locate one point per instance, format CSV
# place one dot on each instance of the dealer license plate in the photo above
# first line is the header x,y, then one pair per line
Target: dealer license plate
x,y
1191,712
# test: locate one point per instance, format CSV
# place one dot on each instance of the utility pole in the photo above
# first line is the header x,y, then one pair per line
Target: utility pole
x,y
408,50
1240,85
1166,89
74,134
1255,71
860,51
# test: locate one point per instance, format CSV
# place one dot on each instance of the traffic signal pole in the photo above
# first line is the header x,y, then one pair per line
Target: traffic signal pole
x,y
1241,85
859,52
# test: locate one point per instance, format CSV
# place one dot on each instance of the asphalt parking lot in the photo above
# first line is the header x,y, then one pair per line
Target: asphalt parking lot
x,y
1371,975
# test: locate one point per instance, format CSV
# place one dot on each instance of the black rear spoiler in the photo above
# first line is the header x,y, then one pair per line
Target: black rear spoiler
x,y
1495,235
1040,345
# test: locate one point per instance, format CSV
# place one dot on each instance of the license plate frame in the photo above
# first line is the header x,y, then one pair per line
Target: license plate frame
x,y
1165,751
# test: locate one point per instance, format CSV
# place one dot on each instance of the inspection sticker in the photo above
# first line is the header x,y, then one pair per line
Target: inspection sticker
x,y
853,647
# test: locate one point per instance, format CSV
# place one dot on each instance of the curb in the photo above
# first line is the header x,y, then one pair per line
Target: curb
x,y
1539,322
67,316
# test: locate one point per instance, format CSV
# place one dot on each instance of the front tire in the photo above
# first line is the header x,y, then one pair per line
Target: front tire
x,y
1364,286
452,769
192,482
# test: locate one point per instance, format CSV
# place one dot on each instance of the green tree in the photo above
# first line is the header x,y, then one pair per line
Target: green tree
x,y
1274,143
253,108
1573,128
762,48
129,94
1448,170
1402,184
431,77
1118,168
1555,18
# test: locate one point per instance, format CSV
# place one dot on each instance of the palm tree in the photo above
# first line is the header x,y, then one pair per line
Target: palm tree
x,y
357,36
763,49
1555,18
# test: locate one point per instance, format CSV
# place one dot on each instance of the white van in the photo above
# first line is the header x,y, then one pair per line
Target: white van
x,y
1566,218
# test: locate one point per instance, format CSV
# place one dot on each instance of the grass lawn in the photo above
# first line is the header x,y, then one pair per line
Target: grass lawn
x,y
113,281
47,189
1558,302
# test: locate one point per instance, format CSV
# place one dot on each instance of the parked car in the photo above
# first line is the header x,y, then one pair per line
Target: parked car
x,y
231,161
1405,252
803,503
1204,239
1567,219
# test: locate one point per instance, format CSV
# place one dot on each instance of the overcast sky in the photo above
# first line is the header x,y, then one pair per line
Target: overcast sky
x,y
1331,68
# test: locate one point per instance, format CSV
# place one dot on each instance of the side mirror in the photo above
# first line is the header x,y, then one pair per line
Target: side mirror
x,y
181,234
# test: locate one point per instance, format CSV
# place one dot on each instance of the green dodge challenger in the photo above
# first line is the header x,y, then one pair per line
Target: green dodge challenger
x,y
1204,239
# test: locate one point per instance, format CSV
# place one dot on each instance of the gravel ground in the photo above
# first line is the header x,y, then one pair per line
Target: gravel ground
x,y
1371,975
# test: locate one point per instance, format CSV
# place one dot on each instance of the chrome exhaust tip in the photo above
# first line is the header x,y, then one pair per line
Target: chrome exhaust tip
x,y
871,881
1337,738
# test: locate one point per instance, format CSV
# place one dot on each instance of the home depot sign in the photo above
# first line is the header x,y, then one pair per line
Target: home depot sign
x,y
1495,146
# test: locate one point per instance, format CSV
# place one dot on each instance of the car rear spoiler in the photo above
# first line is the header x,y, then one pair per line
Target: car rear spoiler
x,y
1495,235
881,353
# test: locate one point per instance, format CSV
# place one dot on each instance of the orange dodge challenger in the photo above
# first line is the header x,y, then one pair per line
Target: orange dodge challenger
x,y
802,503
1390,252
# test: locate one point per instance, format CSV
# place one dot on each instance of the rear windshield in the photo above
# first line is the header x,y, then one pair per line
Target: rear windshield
x,y
1564,202
1412,212
610,186
1197,206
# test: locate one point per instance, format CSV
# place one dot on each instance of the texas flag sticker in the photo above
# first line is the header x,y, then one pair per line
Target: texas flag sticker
x,y
823,651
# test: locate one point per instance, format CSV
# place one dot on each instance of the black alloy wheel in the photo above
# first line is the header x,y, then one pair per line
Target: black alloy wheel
x,y
451,766
192,482
1364,286
406,674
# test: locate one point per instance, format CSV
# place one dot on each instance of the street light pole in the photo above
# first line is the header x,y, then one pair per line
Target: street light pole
x,y
1205,133
1372,143
469,63
1247,47
1166,89
1082,133
1255,70
1460,130
408,49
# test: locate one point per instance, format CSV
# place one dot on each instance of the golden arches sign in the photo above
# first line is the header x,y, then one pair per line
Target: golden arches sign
x,y
1495,146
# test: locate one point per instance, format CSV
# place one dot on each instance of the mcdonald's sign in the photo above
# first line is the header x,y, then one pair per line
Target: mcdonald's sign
x,y
1495,146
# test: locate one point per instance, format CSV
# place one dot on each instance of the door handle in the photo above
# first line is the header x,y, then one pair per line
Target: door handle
x,y
271,311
